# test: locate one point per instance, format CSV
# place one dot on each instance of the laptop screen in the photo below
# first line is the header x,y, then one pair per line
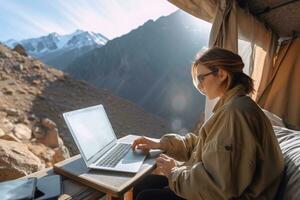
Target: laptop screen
x,y
91,128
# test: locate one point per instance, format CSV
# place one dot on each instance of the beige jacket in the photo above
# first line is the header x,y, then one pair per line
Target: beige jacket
x,y
235,155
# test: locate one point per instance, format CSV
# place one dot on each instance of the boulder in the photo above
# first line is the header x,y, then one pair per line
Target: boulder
x,y
51,139
6,125
33,92
48,123
7,91
21,119
20,49
37,65
38,93
38,132
7,55
61,153
26,122
36,82
21,91
17,161
22,132
20,59
43,152
10,137
12,112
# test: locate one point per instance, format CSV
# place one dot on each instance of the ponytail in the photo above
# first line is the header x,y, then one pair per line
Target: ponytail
x,y
244,80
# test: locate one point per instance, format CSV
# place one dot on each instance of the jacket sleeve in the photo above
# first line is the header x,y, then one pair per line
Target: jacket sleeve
x,y
227,165
179,147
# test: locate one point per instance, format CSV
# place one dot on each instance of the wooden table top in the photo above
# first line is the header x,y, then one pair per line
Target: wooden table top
x,y
114,183
83,183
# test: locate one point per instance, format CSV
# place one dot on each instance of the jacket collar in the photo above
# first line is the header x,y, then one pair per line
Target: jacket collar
x,y
238,90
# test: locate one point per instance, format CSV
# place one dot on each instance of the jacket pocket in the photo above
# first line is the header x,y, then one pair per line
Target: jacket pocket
x,y
217,160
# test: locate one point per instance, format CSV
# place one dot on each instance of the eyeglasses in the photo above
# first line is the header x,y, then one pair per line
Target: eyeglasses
x,y
201,77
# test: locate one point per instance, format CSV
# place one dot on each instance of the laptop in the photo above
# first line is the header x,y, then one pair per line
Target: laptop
x,y
97,142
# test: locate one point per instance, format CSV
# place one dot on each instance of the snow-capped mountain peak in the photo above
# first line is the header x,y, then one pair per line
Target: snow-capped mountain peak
x,y
56,42
85,38
11,42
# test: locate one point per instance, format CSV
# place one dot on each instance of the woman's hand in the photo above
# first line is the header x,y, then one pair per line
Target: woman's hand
x,y
165,165
145,144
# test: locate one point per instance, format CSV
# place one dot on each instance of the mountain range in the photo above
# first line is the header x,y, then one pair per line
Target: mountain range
x,y
59,50
151,66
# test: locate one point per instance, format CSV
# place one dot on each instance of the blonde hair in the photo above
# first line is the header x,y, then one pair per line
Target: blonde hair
x,y
218,58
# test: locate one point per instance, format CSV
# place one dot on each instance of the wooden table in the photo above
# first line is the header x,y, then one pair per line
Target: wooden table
x,y
94,184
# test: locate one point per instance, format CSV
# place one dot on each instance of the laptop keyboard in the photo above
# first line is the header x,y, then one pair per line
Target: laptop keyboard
x,y
114,156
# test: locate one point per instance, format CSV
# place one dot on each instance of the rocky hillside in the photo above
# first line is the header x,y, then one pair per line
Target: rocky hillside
x,y
33,134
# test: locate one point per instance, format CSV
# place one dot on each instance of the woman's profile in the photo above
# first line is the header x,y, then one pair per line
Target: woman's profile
x,y
235,155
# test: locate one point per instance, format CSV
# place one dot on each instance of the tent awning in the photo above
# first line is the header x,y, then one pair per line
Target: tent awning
x,y
282,16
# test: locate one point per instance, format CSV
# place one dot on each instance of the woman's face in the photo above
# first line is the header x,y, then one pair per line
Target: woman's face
x,y
210,84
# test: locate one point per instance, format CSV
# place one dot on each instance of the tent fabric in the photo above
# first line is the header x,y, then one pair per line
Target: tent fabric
x,y
224,29
203,9
281,95
229,24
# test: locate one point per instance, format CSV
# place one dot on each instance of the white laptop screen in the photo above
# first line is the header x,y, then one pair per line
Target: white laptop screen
x,y
91,128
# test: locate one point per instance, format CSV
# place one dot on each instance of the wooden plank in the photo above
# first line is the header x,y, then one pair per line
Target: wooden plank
x,y
110,197
73,190
113,183
129,195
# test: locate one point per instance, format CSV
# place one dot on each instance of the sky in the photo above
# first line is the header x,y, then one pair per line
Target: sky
x,y
22,19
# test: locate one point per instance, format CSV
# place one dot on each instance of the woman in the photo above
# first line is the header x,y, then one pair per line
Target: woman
x,y
235,155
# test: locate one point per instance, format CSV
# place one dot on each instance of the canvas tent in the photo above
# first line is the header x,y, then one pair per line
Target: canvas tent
x,y
269,30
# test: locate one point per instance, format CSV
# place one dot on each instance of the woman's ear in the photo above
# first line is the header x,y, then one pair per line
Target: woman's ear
x,y
223,75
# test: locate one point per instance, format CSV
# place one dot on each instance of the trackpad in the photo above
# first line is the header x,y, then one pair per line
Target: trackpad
x,y
132,161
133,156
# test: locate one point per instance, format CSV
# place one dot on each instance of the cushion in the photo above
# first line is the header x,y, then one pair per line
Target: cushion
x,y
275,120
289,141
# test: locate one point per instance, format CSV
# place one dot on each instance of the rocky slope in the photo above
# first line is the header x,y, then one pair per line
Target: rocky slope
x,y
33,97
